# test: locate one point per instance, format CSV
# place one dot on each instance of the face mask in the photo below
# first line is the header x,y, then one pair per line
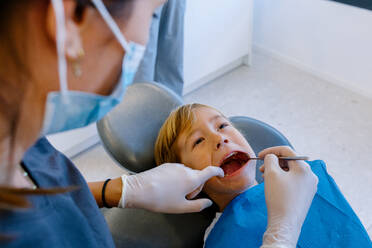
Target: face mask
x,y
66,110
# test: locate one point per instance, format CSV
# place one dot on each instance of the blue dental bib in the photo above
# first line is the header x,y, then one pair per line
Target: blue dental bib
x,y
331,222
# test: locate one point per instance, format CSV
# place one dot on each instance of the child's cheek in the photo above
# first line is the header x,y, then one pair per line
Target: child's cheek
x,y
212,185
200,162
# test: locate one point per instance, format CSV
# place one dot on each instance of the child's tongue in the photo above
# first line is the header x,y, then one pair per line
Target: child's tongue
x,y
231,167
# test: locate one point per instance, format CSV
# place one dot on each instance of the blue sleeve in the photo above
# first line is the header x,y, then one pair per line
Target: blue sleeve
x,y
163,59
331,219
329,191
169,60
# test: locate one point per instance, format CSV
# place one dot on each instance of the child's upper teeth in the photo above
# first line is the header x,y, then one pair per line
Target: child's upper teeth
x,y
231,154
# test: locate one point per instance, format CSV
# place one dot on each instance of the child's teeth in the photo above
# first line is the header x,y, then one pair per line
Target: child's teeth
x,y
232,154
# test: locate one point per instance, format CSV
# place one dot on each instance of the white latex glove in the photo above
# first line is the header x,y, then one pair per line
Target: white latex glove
x,y
288,197
164,188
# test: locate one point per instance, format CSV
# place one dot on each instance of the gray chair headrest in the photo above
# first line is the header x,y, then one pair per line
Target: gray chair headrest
x,y
129,132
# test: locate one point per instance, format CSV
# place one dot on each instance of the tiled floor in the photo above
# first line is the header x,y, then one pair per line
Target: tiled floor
x,y
320,119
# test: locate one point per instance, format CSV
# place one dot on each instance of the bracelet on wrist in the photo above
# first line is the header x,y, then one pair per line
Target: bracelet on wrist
x,y
103,194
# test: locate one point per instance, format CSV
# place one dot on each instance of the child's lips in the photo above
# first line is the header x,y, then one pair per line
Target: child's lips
x,y
233,162
232,154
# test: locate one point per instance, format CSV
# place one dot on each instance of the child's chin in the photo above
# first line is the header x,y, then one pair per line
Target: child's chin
x,y
247,180
241,185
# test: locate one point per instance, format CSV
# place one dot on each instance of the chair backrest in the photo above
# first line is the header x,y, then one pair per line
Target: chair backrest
x,y
128,133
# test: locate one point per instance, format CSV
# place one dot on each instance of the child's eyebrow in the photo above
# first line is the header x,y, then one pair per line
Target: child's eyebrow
x,y
215,117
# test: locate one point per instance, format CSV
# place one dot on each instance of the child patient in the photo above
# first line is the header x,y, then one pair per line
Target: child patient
x,y
197,136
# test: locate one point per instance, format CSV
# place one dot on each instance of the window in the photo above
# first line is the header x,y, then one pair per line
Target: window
x,y
366,4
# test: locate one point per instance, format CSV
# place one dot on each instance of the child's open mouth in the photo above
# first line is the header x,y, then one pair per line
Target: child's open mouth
x,y
234,162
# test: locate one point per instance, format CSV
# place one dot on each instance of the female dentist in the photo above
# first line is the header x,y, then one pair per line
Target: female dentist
x,y
64,65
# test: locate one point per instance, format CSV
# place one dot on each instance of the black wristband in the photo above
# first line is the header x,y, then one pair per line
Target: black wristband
x,y
103,193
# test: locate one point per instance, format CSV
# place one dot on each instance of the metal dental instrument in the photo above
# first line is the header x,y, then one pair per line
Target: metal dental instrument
x,y
287,158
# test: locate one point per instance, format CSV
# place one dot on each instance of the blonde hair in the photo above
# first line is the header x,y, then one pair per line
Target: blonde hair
x,y
179,120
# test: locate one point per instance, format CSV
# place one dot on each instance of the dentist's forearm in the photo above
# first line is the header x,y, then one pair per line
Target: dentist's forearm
x,y
112,192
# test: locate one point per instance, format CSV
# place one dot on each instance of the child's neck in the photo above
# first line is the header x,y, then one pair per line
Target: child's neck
x,y
222,200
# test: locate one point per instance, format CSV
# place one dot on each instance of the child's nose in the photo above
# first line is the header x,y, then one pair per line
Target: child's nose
x,y
219,143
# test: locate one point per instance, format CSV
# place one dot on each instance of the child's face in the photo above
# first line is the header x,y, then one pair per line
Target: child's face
x,y
210,141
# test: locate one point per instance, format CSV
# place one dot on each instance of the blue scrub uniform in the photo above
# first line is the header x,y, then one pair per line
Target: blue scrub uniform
x,y
65,220
163,59
330,222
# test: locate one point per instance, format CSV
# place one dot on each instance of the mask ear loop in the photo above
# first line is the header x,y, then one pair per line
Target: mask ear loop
x,y
112,24
61,40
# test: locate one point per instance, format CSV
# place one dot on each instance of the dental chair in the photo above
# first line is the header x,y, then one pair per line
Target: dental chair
x,y
128,134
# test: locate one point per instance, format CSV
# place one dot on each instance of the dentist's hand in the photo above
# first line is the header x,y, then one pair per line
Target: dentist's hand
x,y
164,188
288,197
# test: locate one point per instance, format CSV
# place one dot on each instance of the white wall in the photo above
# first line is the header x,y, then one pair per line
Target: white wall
x,y
73,142
217,38
331,40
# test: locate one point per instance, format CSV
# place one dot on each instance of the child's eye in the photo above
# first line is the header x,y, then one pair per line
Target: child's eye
x,y
223,125
198,141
